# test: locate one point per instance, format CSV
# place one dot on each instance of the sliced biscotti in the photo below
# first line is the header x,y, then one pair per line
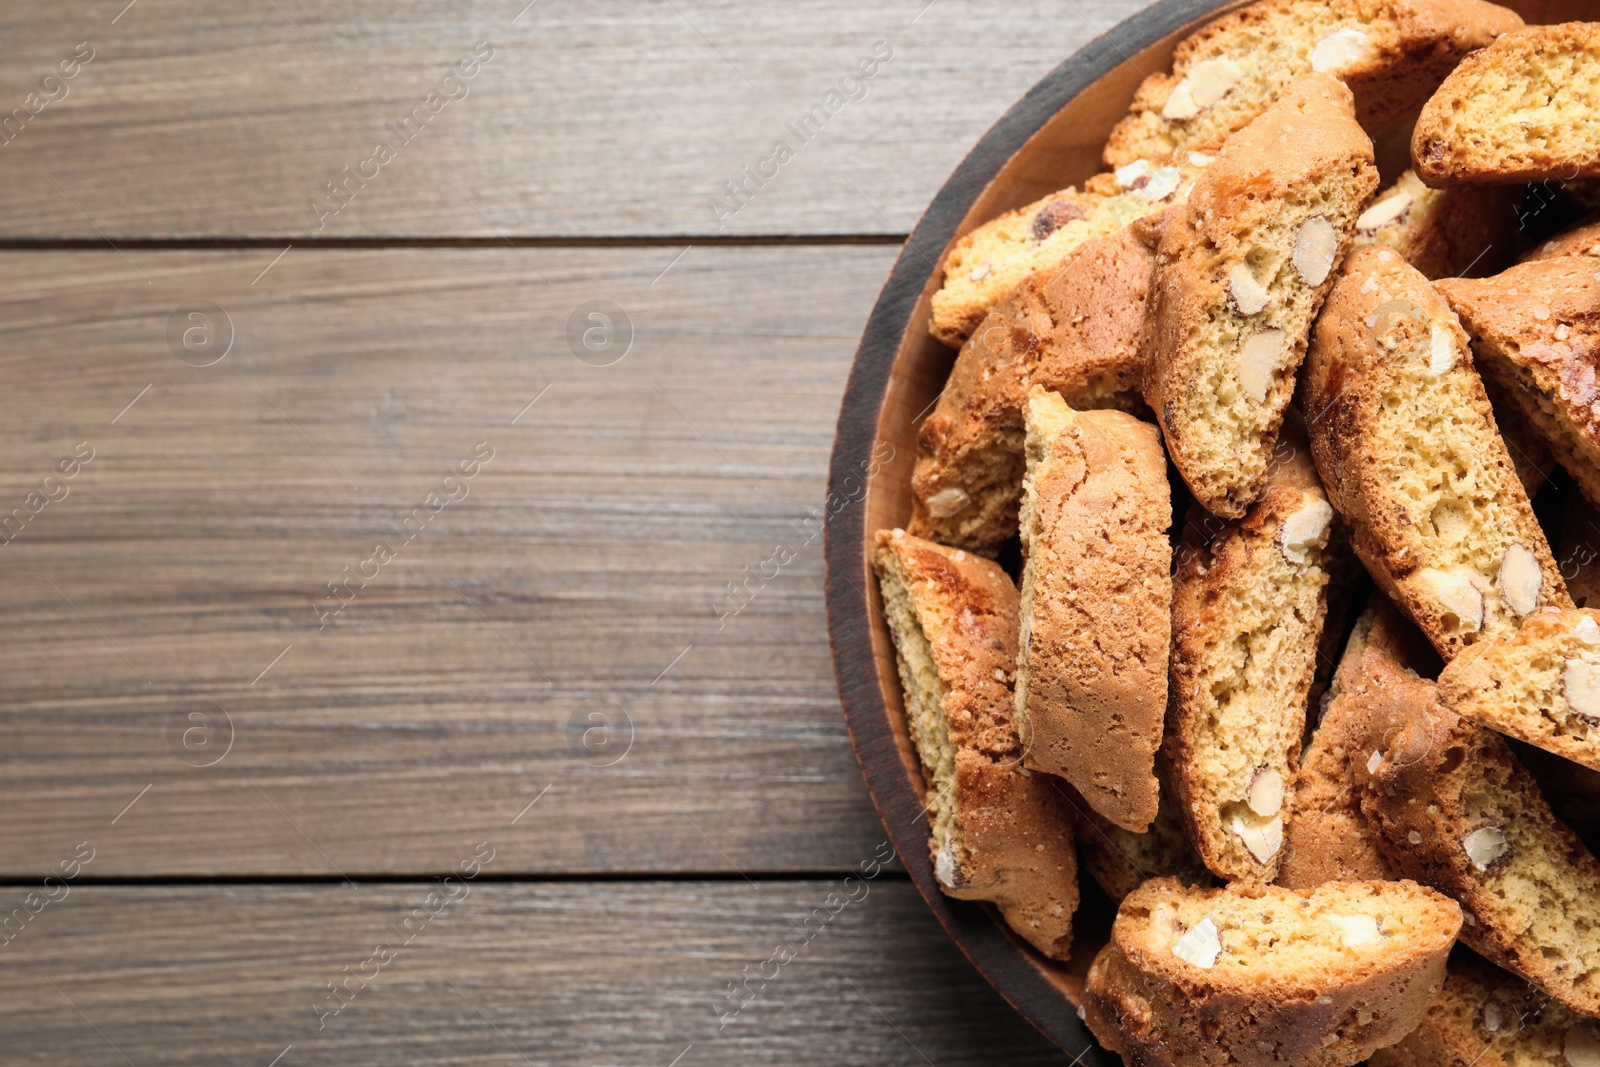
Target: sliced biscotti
x,y
1579,241
1327,838
1526,107
1451,807
1485,1017
1078,333
1247,612
1258,975
1091,685
1540,685
999,832
1393,53
1444,233
1121,860
1240,275
987,264
1406,443
1536,335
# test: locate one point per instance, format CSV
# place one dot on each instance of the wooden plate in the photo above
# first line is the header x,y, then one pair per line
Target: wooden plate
x,y
1050,139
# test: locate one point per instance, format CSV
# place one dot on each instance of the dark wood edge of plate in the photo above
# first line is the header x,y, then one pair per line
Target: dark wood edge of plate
x,y
1014,971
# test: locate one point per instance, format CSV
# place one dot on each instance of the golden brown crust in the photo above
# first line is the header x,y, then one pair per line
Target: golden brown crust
x,y
1519,110
1097,593
1536,334
1247,611
1283,987
1303,167
1121,861
1451,807
1080,334
1406,442
1406,49
1010,835
1582,240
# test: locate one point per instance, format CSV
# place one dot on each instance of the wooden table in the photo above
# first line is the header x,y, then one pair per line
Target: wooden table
x,y
373,691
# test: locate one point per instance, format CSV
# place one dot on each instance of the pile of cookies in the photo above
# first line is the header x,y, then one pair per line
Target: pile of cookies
x,y
1305,798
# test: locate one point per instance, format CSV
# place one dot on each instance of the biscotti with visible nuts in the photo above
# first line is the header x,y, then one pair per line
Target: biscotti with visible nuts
x,y
1444,233
1406,444
1327,838
1121,860
1536,335
986,265
999,832
1450,807
1241,272
1520,110
1540,685
1247,610
1080,334
1392,53
1484,1017
1259,975
1091,686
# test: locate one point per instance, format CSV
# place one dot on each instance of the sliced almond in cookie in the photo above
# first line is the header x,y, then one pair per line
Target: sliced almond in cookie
x,y
1305,528
1340,49
1455,592
1316,248
1249,295
1485,846
1520,579
1259,361
1205,84
1384,212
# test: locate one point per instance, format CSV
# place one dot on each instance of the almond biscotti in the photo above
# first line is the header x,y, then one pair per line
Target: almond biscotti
x,y
1450,807
1536,334
1540,685
1581,240
1522,109
1484,1017
1000,833
1078,333
1406,444
1121,860
1240,275
1091,684
1444,233
1393,53
1247,610
986,265
1259,975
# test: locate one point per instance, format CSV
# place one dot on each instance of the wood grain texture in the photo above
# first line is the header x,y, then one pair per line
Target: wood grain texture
x,y
508,974
486,661
599,119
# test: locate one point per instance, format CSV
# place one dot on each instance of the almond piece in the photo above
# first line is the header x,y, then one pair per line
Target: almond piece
x,y
1356,931
1384,212
1162,184
1265,795
1441,349
1259,359
1586,632
1340,49
1316,246
1305,529
1520,579
1485,846
980,272
1493,1017
1128,175
1582,684
1581,1046
944,865
1249,295
1200,946
1456,594
1264,840
1205,84
947,502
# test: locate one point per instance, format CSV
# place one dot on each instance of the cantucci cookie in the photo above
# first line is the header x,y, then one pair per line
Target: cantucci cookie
x,y
1000,833
1403,435
1096,605
1579,241
1450,807
1327,838
1078,333
1540,685
1121,860
1484,1017
1241,272
1393,53
1522,109
1536,334
1444,233
986,265
1259,975
1247,610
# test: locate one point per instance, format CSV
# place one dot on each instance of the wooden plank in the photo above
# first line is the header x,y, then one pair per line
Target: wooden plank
x,y
506,974
596,119
556,600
